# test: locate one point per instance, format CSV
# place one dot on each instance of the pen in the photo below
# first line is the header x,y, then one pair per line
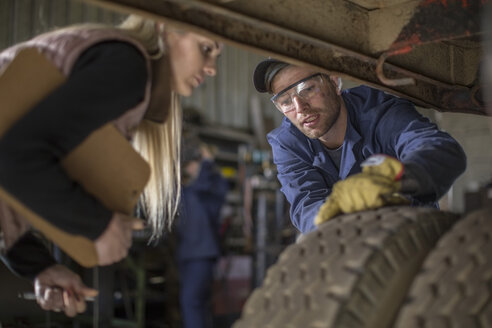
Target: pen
x,y
30,296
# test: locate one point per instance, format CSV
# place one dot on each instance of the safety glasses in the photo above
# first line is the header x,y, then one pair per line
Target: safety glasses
x,y
305,89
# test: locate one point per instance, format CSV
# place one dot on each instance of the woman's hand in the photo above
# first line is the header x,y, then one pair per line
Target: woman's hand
x,y
115,241
59,289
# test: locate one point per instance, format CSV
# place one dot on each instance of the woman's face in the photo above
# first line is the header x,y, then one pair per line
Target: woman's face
x,y
192,57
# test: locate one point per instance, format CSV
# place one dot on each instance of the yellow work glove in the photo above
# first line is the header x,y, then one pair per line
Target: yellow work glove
x,y
376,186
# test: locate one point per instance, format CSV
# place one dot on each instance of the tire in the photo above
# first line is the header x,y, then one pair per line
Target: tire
x,y
454,288
354,271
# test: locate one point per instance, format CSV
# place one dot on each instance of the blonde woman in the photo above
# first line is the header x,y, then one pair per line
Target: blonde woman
x,y
126,75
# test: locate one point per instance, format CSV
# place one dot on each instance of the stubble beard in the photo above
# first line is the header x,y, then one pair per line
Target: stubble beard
x,y
328,121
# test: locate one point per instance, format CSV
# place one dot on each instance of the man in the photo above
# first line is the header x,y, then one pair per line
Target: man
x,y
204,193
327,134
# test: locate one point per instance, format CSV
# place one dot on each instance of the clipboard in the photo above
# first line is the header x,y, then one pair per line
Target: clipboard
x,y
104,164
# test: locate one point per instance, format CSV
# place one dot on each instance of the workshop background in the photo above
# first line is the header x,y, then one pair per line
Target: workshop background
x,y
142,290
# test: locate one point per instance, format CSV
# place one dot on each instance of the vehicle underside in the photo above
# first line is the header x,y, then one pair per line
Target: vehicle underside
x,y
426,51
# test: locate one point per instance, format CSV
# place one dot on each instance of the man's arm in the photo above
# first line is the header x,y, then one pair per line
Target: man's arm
x,y
432,158
211,188
304,187
209,181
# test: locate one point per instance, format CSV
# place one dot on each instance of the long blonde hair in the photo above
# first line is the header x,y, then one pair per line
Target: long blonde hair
x,y
159,144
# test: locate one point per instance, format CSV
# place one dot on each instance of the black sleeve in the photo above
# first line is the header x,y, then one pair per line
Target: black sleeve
x,y
107,80
416,182
28,257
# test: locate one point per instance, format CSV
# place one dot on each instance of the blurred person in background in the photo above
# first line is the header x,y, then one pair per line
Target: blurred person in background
x,y
198,246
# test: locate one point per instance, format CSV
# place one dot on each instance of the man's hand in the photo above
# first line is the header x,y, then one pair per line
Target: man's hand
x,y
115,241
376,186
59,289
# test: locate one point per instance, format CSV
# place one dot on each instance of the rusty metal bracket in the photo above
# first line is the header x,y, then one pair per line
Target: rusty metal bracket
x,y
380,72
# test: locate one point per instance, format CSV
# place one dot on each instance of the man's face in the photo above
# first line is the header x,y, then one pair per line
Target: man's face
x,y
313,117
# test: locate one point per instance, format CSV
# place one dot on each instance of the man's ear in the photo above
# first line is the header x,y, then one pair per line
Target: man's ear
x,y
337,82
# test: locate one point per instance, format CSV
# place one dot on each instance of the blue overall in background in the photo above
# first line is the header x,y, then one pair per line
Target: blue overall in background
x,y
198,244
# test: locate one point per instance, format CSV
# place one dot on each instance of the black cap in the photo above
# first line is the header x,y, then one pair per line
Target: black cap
x,y
264,73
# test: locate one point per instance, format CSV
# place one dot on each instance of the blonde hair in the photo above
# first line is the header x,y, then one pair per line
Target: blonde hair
x,y
159,144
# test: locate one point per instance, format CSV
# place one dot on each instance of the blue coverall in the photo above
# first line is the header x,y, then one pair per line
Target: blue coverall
x,y
377,123
198,244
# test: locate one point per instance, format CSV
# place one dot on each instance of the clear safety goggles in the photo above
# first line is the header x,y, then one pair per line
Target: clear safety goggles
x,y
305,89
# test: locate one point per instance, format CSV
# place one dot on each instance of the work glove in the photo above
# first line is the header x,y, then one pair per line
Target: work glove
x,y
376,186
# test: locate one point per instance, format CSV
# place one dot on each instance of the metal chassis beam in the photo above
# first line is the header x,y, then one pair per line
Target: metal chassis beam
x,y
282,43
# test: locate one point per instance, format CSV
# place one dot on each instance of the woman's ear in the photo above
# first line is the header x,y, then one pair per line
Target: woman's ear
x,y
337,82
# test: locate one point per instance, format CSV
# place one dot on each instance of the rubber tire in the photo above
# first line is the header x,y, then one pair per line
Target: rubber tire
x,y
353,271
454,288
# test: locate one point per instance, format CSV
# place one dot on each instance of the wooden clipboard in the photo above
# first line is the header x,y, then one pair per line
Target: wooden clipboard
x,y
105,164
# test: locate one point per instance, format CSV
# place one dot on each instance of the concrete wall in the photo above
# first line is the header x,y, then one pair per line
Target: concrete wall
x,y
474,134
227,98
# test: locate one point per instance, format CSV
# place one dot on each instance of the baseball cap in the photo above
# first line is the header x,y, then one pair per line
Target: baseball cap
x,y
264,73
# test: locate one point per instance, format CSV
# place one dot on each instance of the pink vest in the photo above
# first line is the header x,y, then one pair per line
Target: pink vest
x,y
63,48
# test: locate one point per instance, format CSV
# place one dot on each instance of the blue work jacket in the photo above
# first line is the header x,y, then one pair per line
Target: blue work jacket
x,y
377,123
199,217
